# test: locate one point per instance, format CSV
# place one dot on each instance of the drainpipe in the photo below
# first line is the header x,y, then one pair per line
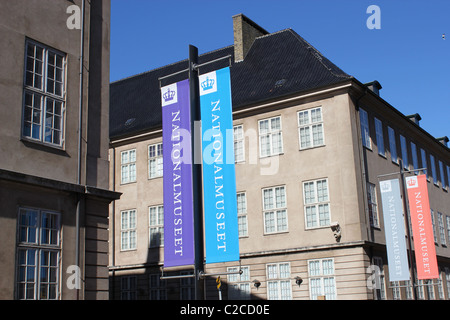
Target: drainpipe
x,y
80,140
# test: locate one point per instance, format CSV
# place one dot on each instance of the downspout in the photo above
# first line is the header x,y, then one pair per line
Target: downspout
x,y
80,140
113,227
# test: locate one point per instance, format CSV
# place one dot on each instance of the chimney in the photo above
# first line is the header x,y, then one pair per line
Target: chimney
x,y
374,86
245,33
415,118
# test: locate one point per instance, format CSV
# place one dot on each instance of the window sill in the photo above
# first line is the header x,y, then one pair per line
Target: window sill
x,y
38,145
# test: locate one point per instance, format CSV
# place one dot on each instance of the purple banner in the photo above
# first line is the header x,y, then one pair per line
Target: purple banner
x,y
177,165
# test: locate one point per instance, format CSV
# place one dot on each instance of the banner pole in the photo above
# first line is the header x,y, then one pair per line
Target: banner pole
x,y
411,256
196,170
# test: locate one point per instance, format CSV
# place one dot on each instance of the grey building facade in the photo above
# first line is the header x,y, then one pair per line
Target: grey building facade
x,y
54,188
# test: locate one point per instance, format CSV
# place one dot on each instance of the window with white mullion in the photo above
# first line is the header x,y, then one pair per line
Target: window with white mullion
x,y
44,91
310,126
128,166
365,132
270,137
379,136
321,279
128,230
278,281
316,203
275,210
239,149
242,214
155,160
156,226
38,255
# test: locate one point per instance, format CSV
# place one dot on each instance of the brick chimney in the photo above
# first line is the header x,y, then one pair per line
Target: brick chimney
x,y
245,33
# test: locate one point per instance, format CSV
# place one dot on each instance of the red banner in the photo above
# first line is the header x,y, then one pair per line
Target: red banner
x,y
422,227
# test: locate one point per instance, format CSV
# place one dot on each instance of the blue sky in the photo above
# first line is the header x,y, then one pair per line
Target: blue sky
x,y
408,55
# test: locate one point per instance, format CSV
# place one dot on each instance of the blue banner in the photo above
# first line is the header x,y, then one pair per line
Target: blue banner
x,y
219,178
394,229
177,180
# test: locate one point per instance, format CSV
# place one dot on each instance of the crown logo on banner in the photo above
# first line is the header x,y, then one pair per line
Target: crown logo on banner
x,y
385,186
207,84
168,96
412,182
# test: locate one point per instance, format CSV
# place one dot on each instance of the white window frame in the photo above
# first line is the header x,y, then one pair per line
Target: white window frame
x,y
38,236
156,226
433,170
372,200
239,285
392,145
441,171
276,210
155,160
310,127
433,223
380,137
441,229
43,121
270,135
241,198
316,204
365,129
415,159
423,156
323,276
239,143
404,150
128,166
128,231
380,293
279,285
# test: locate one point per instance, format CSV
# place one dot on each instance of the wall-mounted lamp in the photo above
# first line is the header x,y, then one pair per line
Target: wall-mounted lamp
x,y
256,283
298,281
336,228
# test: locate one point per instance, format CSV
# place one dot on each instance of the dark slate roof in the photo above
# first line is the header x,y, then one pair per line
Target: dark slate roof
x,y
277,65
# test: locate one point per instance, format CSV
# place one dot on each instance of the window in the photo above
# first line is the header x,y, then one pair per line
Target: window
x,y
365,132
158,288
128,288
38,255
316,203
275,211
440,284
373,207
433,222
392,145
448,175
128,166
128,230
187,291
270,137
441,171
310,126
430,289
396,290
242,214
441,229
239,284
380,139
433,170
321,279
447,218
447,280
424,161
380,291
415,160
44,95
404,152
155,160
278,282
156,226
238,133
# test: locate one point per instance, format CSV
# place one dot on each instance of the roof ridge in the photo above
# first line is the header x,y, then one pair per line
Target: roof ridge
x,y
168,65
